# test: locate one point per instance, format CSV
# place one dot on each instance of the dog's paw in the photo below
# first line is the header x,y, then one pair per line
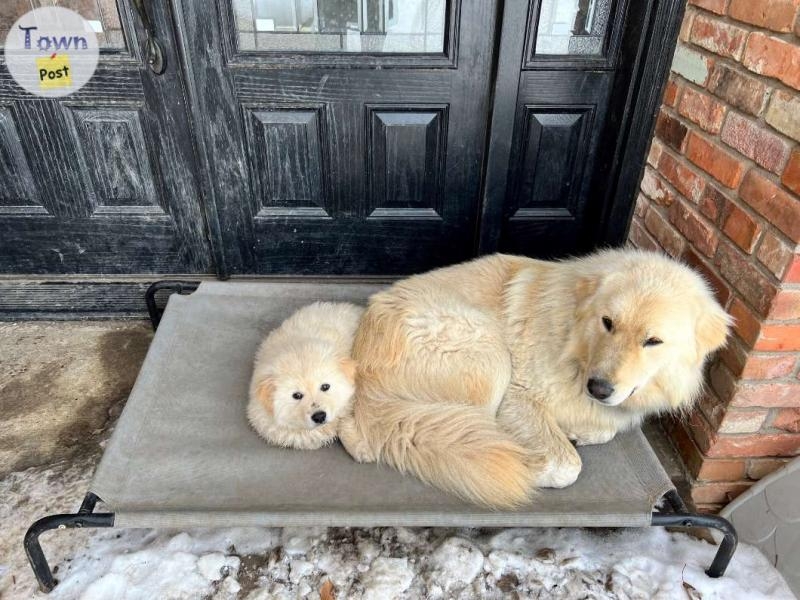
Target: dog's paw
x,y
593,437
360,451
356,446
560,473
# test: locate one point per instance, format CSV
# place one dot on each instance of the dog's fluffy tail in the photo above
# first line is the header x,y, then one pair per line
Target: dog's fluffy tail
x,y
455,447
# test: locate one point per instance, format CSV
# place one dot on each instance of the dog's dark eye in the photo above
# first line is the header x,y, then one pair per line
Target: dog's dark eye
x,y
297,396
325,387
653,341
608,323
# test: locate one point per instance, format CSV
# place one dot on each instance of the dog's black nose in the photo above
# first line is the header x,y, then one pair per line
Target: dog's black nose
x,y
599,388
319,417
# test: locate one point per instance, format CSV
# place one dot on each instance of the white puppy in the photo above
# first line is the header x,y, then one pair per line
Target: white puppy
x,y
304,378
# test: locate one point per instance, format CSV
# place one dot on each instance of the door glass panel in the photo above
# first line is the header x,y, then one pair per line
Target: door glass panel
x,y
102,16
366,26
572,26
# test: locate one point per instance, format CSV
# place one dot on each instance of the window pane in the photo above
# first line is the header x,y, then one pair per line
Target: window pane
x,y
572,26
102,15
371,26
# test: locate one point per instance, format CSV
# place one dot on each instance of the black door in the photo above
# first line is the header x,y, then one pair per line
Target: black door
x,y
363,137
102,181
341,136
350,136
563,84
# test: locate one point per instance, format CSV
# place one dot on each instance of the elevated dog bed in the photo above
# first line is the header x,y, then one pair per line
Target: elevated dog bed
x,y
183,454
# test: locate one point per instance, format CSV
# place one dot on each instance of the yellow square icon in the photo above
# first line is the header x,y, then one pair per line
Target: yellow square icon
x,y
54,71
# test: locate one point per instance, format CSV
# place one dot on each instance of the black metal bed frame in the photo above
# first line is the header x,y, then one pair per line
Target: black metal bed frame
x,y
678,516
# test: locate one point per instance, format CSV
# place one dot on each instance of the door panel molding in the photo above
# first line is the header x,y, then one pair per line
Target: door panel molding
x,y
114,158
406,156
554,142
18,191
288,162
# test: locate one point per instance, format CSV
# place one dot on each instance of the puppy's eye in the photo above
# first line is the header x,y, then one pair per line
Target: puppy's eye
x,y
652,341
297,396
325,387
608,323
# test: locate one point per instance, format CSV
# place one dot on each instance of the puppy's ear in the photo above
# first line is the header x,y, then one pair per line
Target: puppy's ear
x,y
349,367
712,329
265,392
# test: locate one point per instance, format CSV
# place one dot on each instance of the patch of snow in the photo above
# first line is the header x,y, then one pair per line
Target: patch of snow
x,y
405,563
387,578
456,562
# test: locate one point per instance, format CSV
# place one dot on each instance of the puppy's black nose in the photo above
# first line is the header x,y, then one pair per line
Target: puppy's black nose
x,y
319,417
599,388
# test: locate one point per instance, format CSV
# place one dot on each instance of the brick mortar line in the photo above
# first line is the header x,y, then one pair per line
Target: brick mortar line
x,y
640,221
757,434
786,36
758,119
735,200
788,322
767,426
787,379
793,375
749,163
773,84
664,212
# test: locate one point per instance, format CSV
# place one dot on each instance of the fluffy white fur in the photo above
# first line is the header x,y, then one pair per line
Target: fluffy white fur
x,y
476,377
307,356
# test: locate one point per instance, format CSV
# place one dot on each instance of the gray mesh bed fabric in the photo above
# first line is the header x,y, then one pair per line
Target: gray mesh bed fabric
x,y
183,454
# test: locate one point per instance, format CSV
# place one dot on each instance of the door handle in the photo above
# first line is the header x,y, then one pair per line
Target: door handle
x,y
153,50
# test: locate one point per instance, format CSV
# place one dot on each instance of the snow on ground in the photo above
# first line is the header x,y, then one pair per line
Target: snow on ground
x,y
379,564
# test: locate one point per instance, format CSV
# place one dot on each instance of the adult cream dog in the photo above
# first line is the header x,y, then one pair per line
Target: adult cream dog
x,y
476,377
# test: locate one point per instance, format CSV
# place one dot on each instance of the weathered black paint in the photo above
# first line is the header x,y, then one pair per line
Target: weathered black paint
x,y
102,182
325,164
384,154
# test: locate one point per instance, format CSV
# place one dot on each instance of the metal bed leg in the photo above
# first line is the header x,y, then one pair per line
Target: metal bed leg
x,y
83,518
682,518
179,287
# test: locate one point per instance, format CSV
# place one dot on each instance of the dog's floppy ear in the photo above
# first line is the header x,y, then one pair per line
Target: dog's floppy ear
x,y
265,392
585,288
349,367
712,329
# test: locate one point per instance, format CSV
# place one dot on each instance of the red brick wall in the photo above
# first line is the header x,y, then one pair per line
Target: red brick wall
x,y
721,191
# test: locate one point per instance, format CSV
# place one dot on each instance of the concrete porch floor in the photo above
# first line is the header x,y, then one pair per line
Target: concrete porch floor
x,y
62,386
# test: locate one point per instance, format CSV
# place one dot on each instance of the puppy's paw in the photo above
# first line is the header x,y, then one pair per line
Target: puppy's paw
x,y
591,438
560,473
